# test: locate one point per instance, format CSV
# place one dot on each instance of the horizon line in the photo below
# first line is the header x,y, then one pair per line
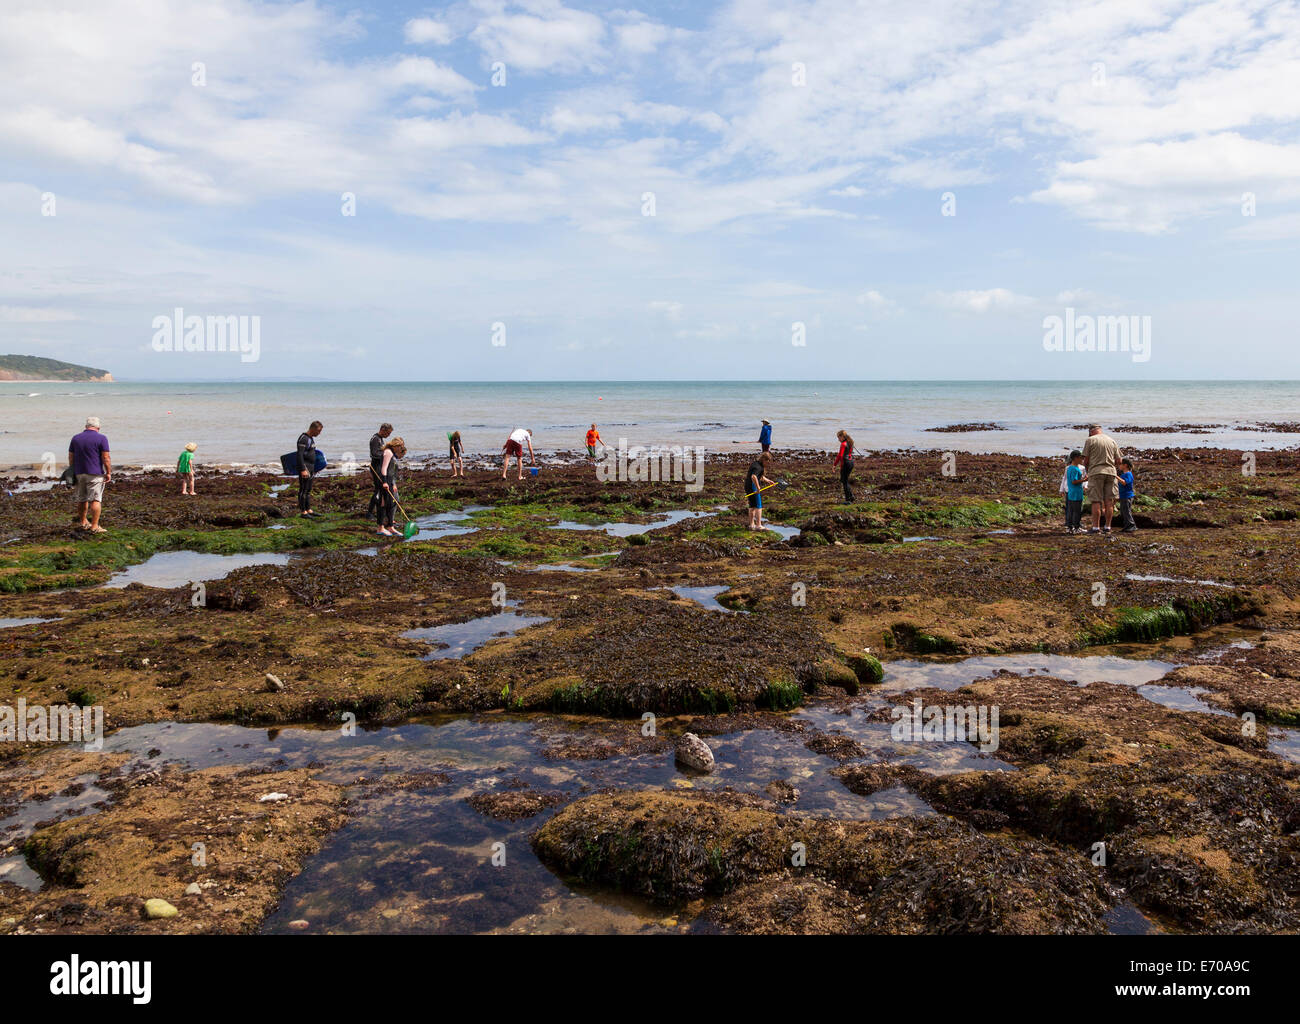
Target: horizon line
x,y
681,380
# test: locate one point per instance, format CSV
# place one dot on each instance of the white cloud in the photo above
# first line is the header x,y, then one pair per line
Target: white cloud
x,y
981,301
428,74
459,130
547,37
641,36
1151,186
565,121
934,173
427,30
872,299
1215,86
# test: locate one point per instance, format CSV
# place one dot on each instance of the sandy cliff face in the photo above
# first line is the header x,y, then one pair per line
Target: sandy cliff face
x,y
106,378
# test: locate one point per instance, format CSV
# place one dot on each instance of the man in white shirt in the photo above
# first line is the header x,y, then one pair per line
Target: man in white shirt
x,y
515,446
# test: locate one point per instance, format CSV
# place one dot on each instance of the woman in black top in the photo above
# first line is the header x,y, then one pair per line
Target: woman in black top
x,y
393,450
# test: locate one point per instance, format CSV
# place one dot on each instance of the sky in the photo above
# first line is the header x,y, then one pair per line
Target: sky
x,y
546,190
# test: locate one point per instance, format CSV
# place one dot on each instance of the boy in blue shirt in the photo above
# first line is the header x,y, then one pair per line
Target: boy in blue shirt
x,y
1126,497
1074,481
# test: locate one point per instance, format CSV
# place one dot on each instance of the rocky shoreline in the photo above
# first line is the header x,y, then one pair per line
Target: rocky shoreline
x,y
522,621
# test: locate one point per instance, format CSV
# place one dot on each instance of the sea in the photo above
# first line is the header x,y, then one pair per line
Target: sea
x,y
241,424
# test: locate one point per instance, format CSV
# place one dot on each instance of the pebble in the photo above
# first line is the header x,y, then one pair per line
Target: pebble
x,y
693,752
193,889
273,684
272,798
300,925
156,909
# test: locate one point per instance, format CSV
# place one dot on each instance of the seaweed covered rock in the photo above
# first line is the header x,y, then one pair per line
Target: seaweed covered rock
x,y
129,866
846,528
1200,823
900,876
867,668
829,672
625,655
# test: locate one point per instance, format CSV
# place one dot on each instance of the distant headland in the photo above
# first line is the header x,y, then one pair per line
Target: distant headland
x,y
15,367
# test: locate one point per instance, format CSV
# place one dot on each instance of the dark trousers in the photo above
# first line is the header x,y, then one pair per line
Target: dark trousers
x,y
386,503
304,492
376,493
846,467
1073,513
1126,513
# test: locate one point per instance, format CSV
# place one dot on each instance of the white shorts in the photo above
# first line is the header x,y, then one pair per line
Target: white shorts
x,y
90,487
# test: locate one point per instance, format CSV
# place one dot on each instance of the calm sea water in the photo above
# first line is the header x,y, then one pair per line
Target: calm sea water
x,y
256,422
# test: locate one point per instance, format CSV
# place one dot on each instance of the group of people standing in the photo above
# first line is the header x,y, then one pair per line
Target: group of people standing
x,y
1108,477
386,453
1099,467
757,481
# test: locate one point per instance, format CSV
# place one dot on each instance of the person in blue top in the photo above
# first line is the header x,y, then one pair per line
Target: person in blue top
x,y
1126,497
765,436
1074,481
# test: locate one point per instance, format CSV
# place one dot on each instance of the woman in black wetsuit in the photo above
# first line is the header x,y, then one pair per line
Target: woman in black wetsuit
x,y
845,461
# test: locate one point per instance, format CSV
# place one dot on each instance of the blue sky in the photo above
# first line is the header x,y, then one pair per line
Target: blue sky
x,y
798,154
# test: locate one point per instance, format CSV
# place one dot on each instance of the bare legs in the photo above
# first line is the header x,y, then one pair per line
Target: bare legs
x,y
92,508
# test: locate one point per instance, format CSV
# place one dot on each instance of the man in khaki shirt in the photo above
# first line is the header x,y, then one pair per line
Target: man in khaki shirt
x,y
1101,459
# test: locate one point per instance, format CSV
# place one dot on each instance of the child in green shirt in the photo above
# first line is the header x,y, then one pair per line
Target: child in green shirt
x,y
185,468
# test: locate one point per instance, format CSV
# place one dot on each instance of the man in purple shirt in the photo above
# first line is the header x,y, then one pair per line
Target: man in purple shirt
x,y
92,467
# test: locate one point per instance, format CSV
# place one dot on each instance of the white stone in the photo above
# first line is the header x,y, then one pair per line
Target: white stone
x,y
693,752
